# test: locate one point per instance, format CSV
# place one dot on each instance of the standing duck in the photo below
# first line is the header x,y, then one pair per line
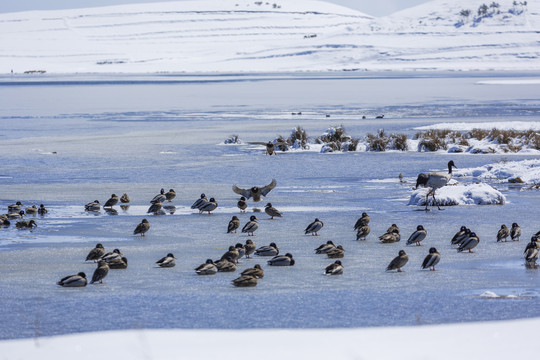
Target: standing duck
x,y
268,250
142,228
167,261
314,227
232,254
78,280
431,259
112,201
101,271
503,233
96,253
159,197
124,199
272,211
282,260
155,208
531,254
460,236
209,206
250,247
335,268
234,224
170,195
417,236
199,202
208,268
93,206
255,192
434,181
515,232
363,232
362,221
251,226
469,243
242,204
398,262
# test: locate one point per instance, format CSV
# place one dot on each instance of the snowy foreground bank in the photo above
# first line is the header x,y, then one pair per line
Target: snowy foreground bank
x,y
488,340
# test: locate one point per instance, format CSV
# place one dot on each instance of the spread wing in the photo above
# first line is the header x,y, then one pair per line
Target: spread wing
x,y
244,192
266,189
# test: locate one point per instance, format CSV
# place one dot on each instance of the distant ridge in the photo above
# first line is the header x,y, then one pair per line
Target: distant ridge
x,y
277,36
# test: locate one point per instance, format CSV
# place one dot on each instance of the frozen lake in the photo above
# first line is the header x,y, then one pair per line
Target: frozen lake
x,y
67,140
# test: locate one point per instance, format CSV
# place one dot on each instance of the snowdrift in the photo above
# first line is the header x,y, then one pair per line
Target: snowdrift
x,y
473,194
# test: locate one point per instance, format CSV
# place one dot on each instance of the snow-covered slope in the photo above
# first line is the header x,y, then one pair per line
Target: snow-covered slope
x,y
285,35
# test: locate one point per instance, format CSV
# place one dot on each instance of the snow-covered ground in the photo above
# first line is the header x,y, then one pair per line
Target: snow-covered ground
x,y
492,340
285,35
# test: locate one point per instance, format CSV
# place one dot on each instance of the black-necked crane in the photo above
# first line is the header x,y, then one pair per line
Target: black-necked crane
x,y
435,180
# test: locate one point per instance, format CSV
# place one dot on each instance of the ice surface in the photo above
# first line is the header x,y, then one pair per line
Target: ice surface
x,y
472,194
111,138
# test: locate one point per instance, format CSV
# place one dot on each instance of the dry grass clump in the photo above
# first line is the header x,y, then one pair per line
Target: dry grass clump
x,y
382,142
337,139
433,140
399,141
479,134
298,138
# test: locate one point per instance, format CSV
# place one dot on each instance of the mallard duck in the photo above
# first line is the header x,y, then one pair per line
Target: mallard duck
x,y
142,228
390,237
159,197
459,236
250,247
42,210
110,256
226,265
362,221
282,260
272,211
251,225
324,248
503,233
242,204
170,195
255,271
113,200
78,280
93,206
245,281
4,223
335,268
234,224
398,262
531,253
31,210
96,253
208,268
241,250
392,228
337,253
26,224
124,199
209,206
431,259
417,236
155,208
434,181
101,271
363,232
314,227
515,232
268,250
15,208
15,216
167,261
469,243
199,202
255,192
118,263
232,253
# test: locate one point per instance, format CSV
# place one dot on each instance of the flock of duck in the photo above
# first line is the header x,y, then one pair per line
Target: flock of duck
x,y
464,239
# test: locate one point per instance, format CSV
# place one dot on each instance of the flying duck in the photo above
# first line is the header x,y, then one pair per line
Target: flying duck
x,y
255,192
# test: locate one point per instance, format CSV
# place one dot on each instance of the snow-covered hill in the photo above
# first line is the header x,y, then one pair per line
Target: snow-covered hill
x,y
284,35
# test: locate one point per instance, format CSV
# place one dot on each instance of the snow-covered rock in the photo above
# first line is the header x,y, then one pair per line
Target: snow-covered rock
x,y
473,194
527,171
